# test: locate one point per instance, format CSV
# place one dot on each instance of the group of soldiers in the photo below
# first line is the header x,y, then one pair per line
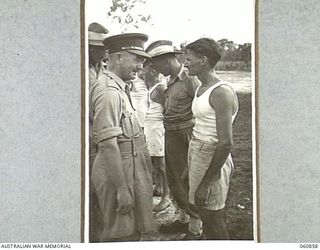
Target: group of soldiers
x,y
186,135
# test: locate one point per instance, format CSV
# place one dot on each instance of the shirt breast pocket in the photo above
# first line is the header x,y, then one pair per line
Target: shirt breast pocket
x,y
129,125
181,99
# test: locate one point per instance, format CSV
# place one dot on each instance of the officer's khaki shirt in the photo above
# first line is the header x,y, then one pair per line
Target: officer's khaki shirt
x,y
113,114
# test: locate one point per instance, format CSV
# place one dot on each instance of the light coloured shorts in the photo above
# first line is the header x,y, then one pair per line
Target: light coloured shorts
x,y
199,157
154,132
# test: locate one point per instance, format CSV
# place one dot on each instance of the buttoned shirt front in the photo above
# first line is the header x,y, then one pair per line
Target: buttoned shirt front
x,y
113,114
179,95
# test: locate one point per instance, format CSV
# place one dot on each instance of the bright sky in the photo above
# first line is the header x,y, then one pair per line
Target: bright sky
x,y
185,20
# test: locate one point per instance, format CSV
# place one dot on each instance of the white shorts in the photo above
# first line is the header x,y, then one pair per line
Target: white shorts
x,y
200,156
154,132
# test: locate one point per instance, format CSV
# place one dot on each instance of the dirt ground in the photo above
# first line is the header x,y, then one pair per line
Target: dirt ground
x,y
239,207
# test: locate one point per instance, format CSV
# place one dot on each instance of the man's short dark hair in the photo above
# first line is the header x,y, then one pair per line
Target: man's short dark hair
x,y
206,47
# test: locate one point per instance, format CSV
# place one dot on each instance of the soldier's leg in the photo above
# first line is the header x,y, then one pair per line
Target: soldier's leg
x,y
159,163
214,226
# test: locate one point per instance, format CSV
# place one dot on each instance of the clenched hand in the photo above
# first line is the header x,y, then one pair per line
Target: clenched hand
x,y
201,196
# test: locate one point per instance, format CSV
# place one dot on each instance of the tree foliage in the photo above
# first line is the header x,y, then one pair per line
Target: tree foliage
x,y
128,13
235,56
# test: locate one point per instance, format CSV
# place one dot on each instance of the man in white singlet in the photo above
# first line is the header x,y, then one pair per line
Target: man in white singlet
x,y
154,129
214,107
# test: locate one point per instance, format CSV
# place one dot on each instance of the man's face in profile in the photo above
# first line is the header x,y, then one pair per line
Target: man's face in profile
x,y
130,65
160,63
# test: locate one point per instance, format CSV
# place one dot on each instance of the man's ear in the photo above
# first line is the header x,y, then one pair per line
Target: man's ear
x,y
106,54
118,58
204,60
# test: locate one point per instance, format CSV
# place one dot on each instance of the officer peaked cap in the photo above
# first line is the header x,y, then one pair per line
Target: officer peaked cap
x,y
131,42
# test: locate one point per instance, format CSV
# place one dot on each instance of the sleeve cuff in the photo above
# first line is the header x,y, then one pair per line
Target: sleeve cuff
x,y
108,133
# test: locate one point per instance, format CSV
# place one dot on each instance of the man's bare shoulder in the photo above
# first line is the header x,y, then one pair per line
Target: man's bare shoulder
x,y
223,90
157,94
223,97
161,87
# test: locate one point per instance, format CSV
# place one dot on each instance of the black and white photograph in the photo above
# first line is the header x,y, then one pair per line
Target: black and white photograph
x,y
170,99
159,123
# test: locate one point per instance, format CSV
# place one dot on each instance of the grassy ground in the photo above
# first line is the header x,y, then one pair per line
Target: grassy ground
x,y
239,207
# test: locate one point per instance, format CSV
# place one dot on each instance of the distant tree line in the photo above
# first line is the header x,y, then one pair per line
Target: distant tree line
x,y
234,56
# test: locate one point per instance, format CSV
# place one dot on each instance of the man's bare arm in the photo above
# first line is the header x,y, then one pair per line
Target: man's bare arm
x,y
158,95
